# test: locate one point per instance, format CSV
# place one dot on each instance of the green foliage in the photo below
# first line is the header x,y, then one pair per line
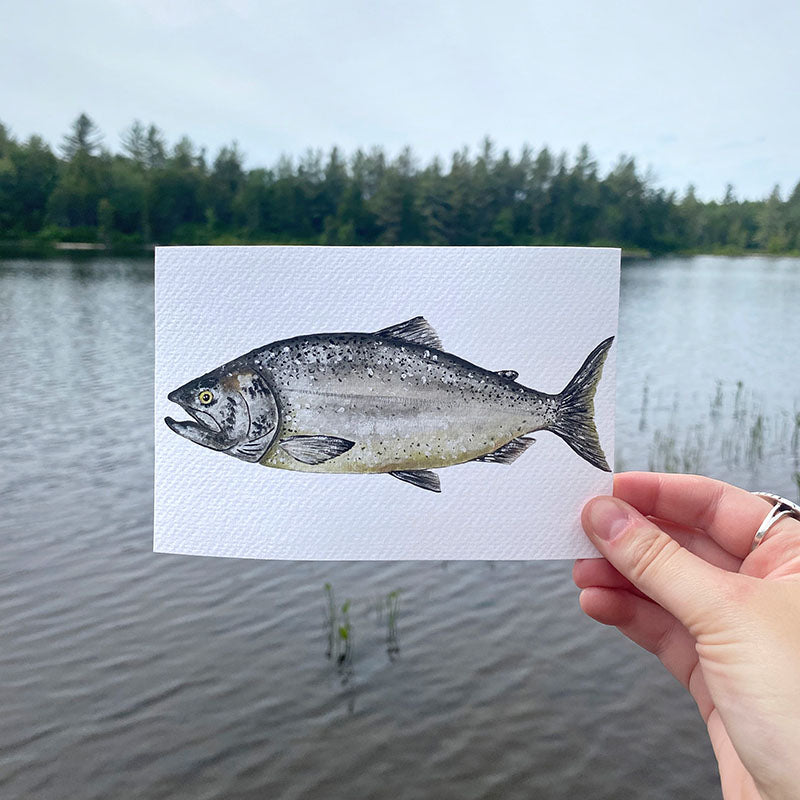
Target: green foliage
x,y
153,193
84,138
28,175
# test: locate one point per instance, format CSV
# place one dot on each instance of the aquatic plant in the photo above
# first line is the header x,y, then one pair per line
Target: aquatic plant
x,y
339,634
735,436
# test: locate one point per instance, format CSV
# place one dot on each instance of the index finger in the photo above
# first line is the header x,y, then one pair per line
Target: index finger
x,y
728,514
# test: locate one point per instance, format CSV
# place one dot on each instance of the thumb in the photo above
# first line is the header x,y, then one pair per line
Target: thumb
x,y
653,561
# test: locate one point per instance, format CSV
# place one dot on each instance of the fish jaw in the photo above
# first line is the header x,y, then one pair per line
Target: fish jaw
x,y
203,429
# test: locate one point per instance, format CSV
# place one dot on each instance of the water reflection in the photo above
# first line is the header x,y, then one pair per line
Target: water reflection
x,y
389,609
340,636
82,268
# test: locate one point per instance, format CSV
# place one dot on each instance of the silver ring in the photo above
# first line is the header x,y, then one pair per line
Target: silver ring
x,y
781,507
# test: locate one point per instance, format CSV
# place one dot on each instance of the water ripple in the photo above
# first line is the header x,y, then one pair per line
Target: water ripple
x,y
126,674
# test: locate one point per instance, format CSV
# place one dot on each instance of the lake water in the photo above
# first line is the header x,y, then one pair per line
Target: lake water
x,y
125,674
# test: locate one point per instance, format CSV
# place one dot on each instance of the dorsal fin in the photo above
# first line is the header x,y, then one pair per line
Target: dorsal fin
x,y
511,374
417,331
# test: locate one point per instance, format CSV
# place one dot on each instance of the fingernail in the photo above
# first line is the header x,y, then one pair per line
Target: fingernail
x,y
607,518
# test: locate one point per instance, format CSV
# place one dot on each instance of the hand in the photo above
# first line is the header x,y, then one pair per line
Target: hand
x,y
678,579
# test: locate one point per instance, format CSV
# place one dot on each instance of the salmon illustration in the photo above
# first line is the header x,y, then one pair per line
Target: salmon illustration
x,y
386,402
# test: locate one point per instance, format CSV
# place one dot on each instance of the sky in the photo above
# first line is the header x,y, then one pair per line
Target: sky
x,y
699,92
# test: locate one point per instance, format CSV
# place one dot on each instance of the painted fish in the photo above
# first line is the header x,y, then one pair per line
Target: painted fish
x,y
386,402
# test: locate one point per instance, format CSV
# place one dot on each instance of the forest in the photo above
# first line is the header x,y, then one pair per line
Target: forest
x,y
154,192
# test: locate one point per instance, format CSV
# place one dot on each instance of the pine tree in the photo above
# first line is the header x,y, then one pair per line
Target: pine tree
x,y
85,138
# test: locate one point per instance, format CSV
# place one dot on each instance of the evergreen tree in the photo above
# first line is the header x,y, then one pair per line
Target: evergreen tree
x,y
35,176
151,191
155,148
772,231
84,138
134,143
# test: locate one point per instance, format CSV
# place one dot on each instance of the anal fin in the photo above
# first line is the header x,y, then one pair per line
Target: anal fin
x,y
423,478
508,453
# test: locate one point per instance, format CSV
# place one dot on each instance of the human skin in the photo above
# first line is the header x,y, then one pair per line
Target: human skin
x,y
678,578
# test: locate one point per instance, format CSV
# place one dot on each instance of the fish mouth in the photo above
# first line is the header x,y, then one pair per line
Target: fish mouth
x,y
202,419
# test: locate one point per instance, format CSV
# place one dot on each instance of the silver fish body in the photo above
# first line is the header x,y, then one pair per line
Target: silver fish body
x,y
386,402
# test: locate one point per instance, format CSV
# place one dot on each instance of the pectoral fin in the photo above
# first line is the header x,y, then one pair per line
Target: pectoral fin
x,y
508,453
423,478
315,449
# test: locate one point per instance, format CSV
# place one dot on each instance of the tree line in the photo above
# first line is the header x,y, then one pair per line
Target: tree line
x,y
154,192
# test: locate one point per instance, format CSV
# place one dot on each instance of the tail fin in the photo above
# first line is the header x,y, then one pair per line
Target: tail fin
x,y
575,414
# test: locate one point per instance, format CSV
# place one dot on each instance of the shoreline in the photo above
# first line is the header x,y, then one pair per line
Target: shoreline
x,y
33,247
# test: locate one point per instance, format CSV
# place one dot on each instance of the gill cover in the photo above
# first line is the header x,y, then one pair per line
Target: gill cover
x,y
262,414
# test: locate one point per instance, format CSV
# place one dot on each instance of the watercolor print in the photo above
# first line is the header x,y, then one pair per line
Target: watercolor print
x,y
391,402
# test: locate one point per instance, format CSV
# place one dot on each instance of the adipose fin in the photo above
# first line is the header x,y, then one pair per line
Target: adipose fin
x,y
511,374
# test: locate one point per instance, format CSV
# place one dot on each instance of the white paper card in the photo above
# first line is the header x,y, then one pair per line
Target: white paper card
x,y
287,453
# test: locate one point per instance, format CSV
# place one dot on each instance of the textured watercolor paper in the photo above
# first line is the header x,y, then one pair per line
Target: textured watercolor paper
x,y
535,311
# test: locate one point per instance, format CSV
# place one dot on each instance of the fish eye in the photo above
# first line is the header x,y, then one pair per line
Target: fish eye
x,y
205,397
